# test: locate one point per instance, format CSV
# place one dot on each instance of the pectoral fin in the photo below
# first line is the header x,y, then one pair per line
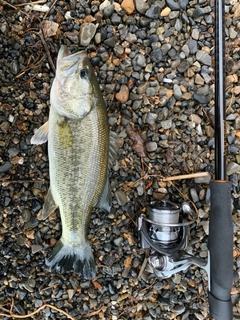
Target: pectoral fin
x,y
41,135
105,202
49,205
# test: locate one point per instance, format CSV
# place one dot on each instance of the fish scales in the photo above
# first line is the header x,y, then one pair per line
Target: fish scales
x,y
77,181
79,153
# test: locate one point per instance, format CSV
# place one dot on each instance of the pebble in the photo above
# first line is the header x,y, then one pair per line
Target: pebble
x,y
204,57
121,197
165,12
87,32
232,167
166,124
153,12
128,6
151,146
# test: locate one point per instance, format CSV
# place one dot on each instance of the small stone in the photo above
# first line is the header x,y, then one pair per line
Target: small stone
x,y
165,12
5,167
209,131
151,146
232,167
118,241
194,195
173,5
108,11
177,92
200,98
87,32
183,4
203,57
177,278
141,6
192,45
232,33
199,79
198,12
195,118
128,6
153,12
195,34
121,197
123,94
183,66
110,42
166,124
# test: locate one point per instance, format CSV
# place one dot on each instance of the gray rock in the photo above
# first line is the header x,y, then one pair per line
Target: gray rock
x,y
165,48
151,91
194,195
157,55
110,42
232,167
141,6
183,66
139,61
144,21
177,92
178,25
166,124
198,12
121,197
87,32
151,146
173,5
201,98
116,19
108,11
151,118
183,4
192,45
195,34
203,57
232,33
5,167
153,12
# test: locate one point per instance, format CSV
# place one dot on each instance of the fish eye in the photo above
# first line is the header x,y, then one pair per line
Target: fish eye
x,y
83,74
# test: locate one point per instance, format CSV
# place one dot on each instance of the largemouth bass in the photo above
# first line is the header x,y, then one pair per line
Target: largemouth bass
x,y
78,148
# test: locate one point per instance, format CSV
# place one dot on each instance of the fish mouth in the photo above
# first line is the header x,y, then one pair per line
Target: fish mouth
x,y
65,53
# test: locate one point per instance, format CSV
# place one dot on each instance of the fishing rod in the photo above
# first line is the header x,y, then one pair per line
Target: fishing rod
x,y
220,240
166,229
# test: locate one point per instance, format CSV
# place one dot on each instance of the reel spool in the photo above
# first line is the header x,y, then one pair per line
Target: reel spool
x,y
167,232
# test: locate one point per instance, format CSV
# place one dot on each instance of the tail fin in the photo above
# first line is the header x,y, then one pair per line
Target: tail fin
x,y
79,259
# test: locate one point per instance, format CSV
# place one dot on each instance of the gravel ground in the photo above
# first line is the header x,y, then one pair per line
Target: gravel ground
x,y
154,61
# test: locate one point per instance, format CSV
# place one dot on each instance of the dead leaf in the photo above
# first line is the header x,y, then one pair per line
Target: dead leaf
x,y
127,262
49,28
138,144
97,285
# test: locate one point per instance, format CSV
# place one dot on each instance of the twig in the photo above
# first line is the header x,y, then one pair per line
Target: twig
x,y
14,7
53,4
187,176
30,3
144,264
11,314
32,66
40,34
92,313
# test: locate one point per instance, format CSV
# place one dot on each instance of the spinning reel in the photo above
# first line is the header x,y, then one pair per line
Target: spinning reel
x,y
166,231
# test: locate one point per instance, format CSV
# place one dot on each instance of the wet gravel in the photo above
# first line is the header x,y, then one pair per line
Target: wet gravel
x,y
154,61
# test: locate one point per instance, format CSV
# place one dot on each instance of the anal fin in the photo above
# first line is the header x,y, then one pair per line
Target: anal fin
x,y
49,205
105,202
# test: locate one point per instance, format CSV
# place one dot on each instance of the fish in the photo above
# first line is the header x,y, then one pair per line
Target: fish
x,y
80,150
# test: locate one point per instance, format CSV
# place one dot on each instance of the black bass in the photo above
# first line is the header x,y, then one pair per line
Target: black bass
x,y
78,148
